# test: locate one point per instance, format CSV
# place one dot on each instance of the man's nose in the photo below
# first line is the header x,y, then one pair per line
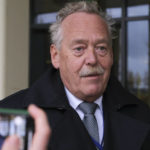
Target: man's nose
x,y
91,57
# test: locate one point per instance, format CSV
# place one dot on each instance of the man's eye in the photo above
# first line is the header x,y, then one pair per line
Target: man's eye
x,y
102,50
79,49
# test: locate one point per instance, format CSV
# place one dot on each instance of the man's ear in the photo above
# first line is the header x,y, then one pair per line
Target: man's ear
x,y
54,52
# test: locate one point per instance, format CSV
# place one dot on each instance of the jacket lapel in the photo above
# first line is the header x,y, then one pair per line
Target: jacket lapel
x,y
70,134
123,132
125,127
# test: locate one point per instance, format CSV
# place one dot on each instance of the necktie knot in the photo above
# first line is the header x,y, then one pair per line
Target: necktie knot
x,y
88,108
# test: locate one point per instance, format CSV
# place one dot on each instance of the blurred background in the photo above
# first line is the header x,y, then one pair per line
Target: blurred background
x,y
25,41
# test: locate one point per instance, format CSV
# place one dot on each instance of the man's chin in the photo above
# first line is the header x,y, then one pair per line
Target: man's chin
x,y
92,95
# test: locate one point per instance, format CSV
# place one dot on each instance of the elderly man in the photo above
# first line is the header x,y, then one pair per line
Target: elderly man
x,y
87,108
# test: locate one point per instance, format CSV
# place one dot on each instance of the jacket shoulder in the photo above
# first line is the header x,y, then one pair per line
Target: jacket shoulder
x,y
15,100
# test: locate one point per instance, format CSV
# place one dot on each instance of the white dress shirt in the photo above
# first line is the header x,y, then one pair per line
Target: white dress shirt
x,y
75,102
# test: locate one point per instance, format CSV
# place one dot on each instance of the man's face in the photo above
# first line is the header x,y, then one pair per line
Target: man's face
x,y
85,57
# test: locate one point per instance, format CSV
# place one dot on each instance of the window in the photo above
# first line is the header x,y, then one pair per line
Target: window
x,y
139,10
138,57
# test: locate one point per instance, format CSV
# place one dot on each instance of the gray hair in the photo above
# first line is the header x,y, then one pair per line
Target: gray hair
x,y
70,8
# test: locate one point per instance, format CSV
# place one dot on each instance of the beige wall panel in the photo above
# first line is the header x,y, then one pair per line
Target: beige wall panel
x,y
16,46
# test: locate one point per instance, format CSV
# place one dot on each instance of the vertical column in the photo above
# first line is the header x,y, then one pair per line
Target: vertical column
x,y
2,46
15,50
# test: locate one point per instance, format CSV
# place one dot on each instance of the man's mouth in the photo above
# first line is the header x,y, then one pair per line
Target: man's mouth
x,y
91,75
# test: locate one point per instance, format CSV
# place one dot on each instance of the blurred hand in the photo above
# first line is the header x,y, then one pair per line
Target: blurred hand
x,y
41,135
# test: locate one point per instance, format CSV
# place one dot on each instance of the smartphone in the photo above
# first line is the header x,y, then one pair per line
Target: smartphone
x,y
19,122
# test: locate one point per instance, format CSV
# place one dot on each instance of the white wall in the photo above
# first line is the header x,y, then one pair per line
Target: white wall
x,y
14,46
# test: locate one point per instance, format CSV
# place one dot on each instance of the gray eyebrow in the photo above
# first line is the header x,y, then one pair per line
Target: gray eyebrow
x,y
79,41
84,41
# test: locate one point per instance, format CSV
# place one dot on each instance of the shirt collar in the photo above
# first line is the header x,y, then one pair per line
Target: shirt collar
x,y
75,102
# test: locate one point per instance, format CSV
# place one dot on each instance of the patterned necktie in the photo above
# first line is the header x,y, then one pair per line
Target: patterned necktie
x,y
89,119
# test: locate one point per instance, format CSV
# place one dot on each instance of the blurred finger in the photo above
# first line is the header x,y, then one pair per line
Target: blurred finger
x,y
42,129
11,143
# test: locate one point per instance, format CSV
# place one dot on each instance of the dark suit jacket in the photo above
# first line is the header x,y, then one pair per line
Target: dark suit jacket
x,y
126,119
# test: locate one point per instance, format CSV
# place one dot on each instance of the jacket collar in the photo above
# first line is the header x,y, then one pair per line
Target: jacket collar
x,y
116,97
48,91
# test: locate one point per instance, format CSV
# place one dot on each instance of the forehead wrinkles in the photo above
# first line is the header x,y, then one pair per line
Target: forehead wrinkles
x,y
94,41
82,19
85,24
